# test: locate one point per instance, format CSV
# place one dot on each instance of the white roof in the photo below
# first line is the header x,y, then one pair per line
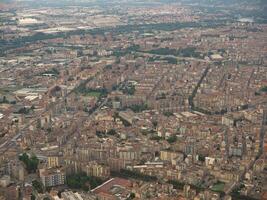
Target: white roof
x,y
31,98
216,57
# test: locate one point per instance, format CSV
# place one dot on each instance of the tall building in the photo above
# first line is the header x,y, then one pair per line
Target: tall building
x,y
52,161
52,177
97,170
168,155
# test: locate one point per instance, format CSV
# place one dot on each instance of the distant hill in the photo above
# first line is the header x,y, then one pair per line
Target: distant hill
x,y
6,1
225,2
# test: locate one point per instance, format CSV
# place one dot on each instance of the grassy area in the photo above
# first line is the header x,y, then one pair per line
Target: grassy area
x,y
93,94
218,187
84,91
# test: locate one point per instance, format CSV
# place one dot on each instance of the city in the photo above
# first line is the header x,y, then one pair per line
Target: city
x,y
133,100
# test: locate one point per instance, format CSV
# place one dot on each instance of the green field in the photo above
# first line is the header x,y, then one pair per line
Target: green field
x,y
93,94
218,187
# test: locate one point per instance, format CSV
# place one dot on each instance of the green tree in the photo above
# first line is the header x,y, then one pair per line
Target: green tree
x,y
82,181
263,89
172,139
30,163
112,132
168,113
33,197
138,107
38,186
155,124
201,158
130,90
132,196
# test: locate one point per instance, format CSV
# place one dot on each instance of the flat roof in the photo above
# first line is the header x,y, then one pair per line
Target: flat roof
x,y
105,187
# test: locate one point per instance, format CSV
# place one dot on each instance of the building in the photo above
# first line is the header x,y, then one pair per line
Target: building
x,y
12,192
128,116
5,181
69,195
97,170
52,161
168,156
115,188
52,177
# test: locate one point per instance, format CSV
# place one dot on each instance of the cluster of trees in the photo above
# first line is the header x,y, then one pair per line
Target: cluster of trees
x,y
132,196
162,26
117,30
237,196
180,185
25,110
201,158
168,113
100,134
155,123
82,181
101,92
112,132
122,52
176,184
138,107
38,186
18,42
172,139
31,163
218,187
130,90
171,60
263,89
156,137
152,59
186,52
125,173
